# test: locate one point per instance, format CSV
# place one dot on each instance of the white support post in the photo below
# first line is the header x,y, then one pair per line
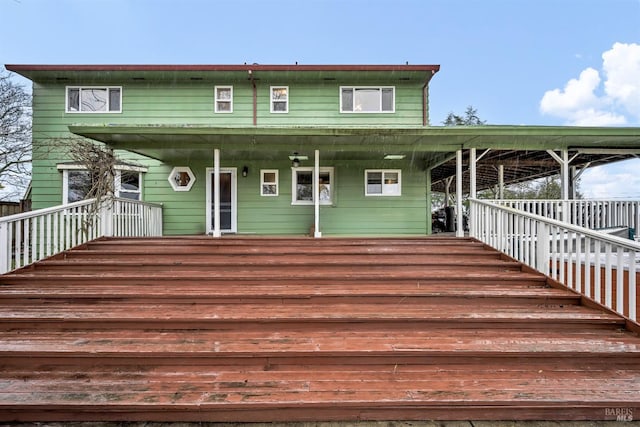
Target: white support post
x,y
542,249
500,182
564,176
472,171
5,244
447,190
316,185
216,193
106,217
472,191
459,213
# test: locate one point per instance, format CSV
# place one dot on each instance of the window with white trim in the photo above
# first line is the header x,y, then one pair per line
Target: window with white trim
x,y
279,99
269,182
99,99
224,99
302,186
77,182
367,99
383,182
128,184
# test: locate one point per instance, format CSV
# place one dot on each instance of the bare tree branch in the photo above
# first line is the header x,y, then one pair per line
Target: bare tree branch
x,y
15,138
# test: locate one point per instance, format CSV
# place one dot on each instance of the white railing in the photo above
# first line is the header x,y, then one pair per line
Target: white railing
x,y
594,214
31,236
597,265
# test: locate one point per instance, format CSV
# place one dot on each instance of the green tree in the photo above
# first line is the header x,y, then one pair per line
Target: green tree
x,y
539,189
469,118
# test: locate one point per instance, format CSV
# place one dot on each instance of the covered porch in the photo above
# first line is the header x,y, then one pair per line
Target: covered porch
x,y
454,160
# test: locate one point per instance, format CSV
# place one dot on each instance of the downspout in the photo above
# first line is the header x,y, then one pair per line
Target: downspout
x,y
424,103
255,98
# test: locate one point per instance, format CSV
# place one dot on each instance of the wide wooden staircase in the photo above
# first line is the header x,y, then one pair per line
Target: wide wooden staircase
x,y
278,329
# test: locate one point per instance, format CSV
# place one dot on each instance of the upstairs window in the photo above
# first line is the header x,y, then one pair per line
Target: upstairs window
x,y
94,99
224,99
385,182
279,99
367,99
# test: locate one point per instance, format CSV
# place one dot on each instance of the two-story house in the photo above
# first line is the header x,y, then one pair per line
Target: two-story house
x,y
336,149
265,123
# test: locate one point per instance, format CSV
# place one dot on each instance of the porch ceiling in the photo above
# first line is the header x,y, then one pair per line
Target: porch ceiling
x,y
521,149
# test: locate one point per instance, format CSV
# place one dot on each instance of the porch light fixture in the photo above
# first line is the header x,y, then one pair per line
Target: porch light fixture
x,y
245,171
296,158
394,156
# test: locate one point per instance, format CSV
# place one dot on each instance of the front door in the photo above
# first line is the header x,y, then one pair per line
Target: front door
x,y
227,200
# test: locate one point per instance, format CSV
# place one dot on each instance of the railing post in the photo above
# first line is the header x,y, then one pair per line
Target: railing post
x,y
5,244
106,217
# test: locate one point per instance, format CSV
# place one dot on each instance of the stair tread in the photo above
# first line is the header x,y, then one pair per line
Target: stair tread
x,y
282,393
284,260
275,274
343,341
296,311
284,290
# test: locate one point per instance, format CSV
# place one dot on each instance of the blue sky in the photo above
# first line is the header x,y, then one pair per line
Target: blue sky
x,y
538,62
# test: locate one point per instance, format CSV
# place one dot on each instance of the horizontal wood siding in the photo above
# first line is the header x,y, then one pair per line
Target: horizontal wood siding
x,y
184,102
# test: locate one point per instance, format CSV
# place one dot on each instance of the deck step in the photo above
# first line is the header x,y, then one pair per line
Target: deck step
x,y
527,390
350,341
296,329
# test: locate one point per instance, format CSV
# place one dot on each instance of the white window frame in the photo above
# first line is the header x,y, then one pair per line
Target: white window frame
x,y
387,190
181,169
294,184
216,99
379,111
66,168
120,190
263,182
81,111
272,101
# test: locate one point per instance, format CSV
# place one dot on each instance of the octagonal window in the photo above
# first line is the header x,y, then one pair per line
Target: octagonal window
x,y
181,178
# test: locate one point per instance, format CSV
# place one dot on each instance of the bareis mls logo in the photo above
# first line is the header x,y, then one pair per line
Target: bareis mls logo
x,y
620,414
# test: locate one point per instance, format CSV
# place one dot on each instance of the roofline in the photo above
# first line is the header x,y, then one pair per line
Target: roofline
x,y
18,68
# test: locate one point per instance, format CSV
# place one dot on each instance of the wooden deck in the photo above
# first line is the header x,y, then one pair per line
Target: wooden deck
x,y
257,329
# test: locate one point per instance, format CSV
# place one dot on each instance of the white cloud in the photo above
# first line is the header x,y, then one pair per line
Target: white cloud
x,y
580,102
617,180
621,65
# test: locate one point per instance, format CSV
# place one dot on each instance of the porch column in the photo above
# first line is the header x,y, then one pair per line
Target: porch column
x,y
216,193
472,172
459,214
564,179
573,171
447,190
429,202
472,189
500,182
565,174
316,198
564,170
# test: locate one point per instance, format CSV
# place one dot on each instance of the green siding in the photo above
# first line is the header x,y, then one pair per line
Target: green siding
x,y
176,103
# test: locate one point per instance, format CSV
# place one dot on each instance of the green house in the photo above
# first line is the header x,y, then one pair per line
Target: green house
x,y
282,149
